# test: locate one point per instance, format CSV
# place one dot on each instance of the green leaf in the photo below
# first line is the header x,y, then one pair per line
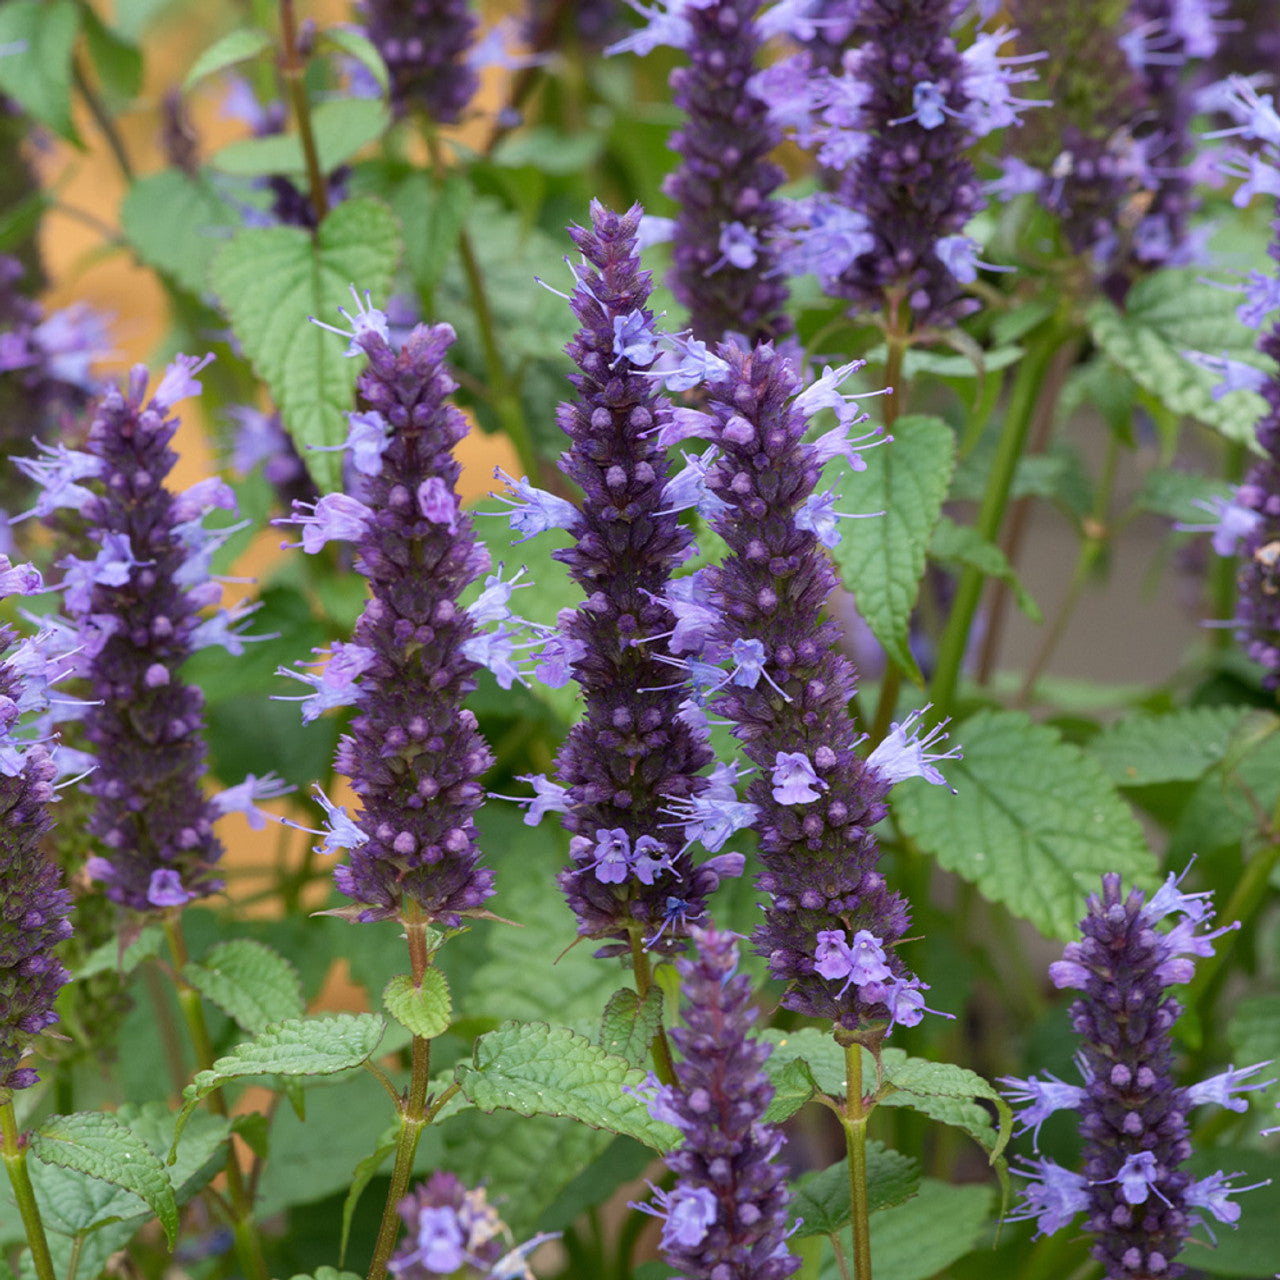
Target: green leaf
x,y
1181,747
536,1069
249,982
341,127
362,1175
916,1240
327,1273
1179,495
175,223
946,1092
432,216
882,559
117,61
39,77
271,279
1166,314
100,1145
236,46
426,1010
108,958
298,1047
1034,825
823,1058
961,545
548,150
1252,1249
793,1086
362,49
629,1025
1254,1036
820,1201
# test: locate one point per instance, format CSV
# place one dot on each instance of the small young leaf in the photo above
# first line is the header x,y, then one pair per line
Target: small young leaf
x,y
341,127
1034,823
426,1010
236,46
536,1069
358,46
793,1086
38,77
820,1201
1165,314
249,982
629,1025
823,1058
360,1178
1181,747
271,279
962,545
117,62
98,1144
175,221
882,558
107,957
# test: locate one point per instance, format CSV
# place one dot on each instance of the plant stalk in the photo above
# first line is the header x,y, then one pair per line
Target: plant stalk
x,y
292,69
854,1122
663,1065
15,1161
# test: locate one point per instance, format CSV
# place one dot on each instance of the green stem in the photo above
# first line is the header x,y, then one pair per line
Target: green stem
x,y
293,69
890,686
413,1111
102,118
1017,424
854,1122
15,1161
248,1243
663,1066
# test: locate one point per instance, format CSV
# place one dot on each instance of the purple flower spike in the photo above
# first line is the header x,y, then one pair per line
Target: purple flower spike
x,y
1133,1116
727,1214
137,605
414,755
815,799
424,44
631,754
724,267
33,903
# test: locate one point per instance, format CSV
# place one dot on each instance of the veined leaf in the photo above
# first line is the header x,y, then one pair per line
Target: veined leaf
x,y
820,1202
629,1024
426,1010
1180,747
249,982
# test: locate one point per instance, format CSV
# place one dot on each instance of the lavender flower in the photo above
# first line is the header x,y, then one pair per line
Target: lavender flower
x,y
727,1214
832,923
724,262
1141,1205
454,1231
137,606
33,903
423,43
632,753
414,755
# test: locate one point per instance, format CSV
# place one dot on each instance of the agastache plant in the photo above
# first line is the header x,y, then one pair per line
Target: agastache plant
x,y
424,43
725,269
726,1216
1141,1204
632,883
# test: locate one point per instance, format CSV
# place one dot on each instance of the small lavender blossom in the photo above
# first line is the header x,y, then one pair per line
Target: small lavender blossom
x,y
137,606
723,262
727,1214
631,754
815,799
424,43
1141,1204
33,903
414,754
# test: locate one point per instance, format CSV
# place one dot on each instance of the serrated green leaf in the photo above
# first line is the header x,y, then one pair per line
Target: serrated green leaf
x,y
882,559
117,61
341,127
963,545
536,1069
175,222
628,1026
426,1010
361,1176
946,1092
358,46
271,280
108,958
38,77
249,982
1165,314
1179,495
298,1047
98,1144
916,1240
793,1086
236,46
1034,824
821,1055
821,1203
1180,747
432,216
